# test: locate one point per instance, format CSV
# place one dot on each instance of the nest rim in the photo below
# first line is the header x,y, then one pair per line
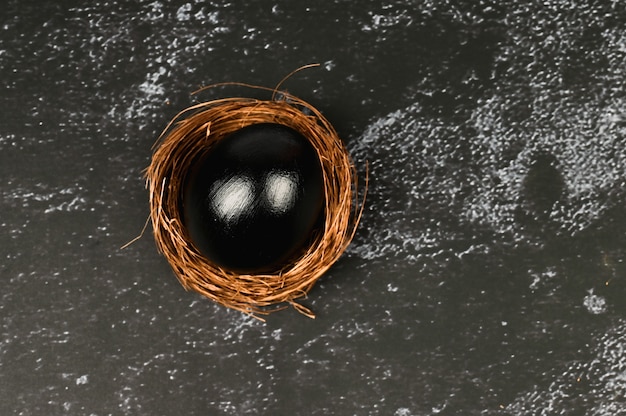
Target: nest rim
x,y
191,134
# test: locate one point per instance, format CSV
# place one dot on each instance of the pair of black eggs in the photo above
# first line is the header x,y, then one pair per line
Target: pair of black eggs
x,y
254,201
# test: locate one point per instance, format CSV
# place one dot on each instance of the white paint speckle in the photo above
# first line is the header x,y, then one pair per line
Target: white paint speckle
x,y
595,304
84,379
183,13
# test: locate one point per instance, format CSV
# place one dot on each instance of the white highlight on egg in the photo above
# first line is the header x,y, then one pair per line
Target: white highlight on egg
x,y
233,197
281,190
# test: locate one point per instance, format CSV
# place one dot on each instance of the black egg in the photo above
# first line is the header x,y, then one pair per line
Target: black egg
x,y
252,203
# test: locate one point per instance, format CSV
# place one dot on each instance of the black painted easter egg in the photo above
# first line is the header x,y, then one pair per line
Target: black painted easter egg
x,y
253,202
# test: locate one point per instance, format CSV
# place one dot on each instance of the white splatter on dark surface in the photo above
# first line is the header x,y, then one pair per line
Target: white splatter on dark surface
x,y
487,276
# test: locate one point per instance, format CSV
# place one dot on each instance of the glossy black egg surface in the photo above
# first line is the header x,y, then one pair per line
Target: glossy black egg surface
x,y
252,203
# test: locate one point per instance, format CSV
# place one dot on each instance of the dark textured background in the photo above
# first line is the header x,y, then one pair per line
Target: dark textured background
x,y
487,276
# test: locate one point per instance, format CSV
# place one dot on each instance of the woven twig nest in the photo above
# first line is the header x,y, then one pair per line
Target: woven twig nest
x,y
193,133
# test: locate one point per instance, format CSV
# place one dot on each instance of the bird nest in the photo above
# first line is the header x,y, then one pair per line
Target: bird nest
x,y
190,135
